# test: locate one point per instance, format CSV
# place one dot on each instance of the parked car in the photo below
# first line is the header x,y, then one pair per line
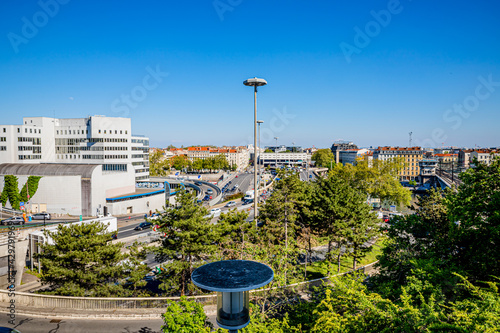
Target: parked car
x,y
231,204
13,220
40,216
143,225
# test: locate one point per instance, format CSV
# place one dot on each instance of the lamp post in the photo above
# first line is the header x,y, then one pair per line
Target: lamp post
x,y
255,82
232,280
276,152
256,197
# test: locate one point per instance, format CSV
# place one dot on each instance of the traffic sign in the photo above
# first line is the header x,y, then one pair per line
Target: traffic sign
x,y
21,204
22,207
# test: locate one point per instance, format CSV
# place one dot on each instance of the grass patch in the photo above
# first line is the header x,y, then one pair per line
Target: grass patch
x,y
319,269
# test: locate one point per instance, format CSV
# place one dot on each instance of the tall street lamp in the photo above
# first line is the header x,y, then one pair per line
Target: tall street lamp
x,y
259,122
255,82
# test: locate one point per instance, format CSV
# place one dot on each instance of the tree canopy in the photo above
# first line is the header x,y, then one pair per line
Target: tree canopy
x,y
189,237
83,262
324,158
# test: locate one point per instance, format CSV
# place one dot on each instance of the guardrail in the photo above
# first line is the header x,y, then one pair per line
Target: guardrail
x,y
115,303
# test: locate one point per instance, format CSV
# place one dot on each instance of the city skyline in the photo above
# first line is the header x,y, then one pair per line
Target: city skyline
x,y
363,72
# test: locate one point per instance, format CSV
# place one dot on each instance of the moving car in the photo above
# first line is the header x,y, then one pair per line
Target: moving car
x,y
214,211
143,225
209,191
231,204
247,201
40,216
13,220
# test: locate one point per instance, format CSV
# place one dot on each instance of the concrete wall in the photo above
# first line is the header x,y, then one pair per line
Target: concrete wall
x,y
141,205
61,194
116,183
20,248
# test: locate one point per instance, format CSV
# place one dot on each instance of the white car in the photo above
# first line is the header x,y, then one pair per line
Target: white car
x,y
214,211
231,204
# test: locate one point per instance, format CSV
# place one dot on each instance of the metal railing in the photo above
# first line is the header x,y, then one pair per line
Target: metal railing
x,y
116,303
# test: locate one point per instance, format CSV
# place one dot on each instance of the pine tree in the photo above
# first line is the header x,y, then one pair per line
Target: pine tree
x,y
189,237
338,212
82,262
232,233
279,214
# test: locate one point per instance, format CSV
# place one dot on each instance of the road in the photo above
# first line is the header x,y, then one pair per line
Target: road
x,y
43,325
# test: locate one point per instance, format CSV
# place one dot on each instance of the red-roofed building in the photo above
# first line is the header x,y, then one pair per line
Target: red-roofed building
x,y
239,156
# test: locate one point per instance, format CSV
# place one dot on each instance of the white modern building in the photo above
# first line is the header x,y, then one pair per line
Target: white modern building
x,y
106,141
350,156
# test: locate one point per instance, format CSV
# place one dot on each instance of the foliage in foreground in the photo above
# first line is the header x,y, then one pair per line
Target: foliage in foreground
x,y
83,262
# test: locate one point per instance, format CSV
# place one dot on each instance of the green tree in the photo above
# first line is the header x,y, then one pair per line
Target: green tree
x,y
180,162
335,208
197,164
185,316
189,237
324,158
136,270
82,262
279,215
32,186
232,229
378,179
474,210
158,164
361,233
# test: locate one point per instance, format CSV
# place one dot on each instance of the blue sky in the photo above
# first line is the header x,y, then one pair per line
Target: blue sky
x,y
365,71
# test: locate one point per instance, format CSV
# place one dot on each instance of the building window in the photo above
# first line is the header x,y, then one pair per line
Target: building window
x,y
25,130
99,131
4,130
125,132
57,132
65,132
121,132
18,130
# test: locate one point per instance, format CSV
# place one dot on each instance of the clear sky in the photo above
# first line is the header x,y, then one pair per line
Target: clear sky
x,y
364,71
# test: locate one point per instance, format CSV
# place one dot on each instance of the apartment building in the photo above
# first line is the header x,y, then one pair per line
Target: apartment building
x,y
107,141
238,156
410,155
485,156
446,158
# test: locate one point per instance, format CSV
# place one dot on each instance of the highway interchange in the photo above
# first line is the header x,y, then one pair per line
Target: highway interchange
x,y
126,226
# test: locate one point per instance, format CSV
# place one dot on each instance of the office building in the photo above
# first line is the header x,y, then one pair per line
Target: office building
x,y
106,141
